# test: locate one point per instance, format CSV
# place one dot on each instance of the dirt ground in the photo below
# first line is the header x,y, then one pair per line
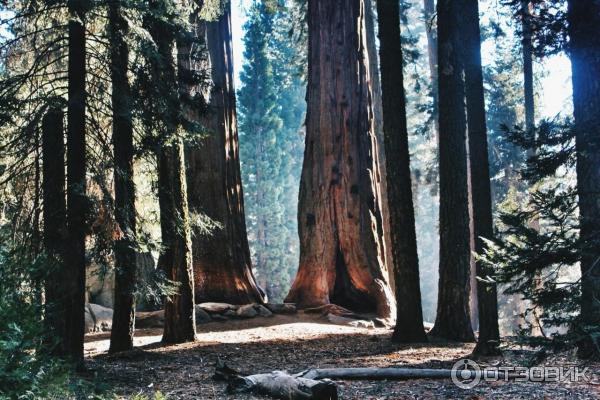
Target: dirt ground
x,y
295,343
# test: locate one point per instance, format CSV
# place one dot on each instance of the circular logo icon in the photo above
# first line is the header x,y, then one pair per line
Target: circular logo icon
x,y
466,374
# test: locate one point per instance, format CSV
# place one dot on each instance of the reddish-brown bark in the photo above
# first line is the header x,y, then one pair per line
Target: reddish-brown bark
x,y
342,256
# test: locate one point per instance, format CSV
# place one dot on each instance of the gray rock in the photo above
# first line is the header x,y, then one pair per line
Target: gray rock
x,y
361,323
336,319
219,318
286,308
263,311
89,321
216,308
247,311
102,317
202,316
150,319
230,314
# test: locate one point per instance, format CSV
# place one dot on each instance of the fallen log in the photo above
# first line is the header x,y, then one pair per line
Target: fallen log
x,y
380,373
277,384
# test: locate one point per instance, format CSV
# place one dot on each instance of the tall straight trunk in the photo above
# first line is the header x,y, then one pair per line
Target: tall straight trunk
x,y
530,122
176,253
409,321
222,263
453,316
483,225
123,326
342,258
55,210
375,78
584,20
432,52
76,185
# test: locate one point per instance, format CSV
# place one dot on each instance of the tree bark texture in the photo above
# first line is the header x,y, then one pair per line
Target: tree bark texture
x,y
222,264
483,224
54,206
342,255
176,253
123,326
405,260
453,316
74,285
584,20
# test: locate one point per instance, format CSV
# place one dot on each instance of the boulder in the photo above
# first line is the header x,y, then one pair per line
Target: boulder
x,y
216,308
102,317
263,311
285,308
230,314
219,318
89,321
150,319
361,323
202,316
247,311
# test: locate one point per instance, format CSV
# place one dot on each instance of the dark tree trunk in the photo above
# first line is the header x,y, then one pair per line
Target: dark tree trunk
x,y
453,316
55,210
342,258
176,257
222,264
176,253
121,337
374,76
405,261
584,20
487,299
432,53
74,285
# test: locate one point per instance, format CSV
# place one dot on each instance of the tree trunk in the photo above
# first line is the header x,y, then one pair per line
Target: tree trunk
x,y
584,19
54,205
374,76
176,253
222,264
121,337
405,261
176,257
483,225
74,285
342,257
452,318
432,52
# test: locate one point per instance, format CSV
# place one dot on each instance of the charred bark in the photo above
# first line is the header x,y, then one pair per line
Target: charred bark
x,y
123,326
405,261
222,264
483,225
54,206
342,258
74,284
584,19
453,316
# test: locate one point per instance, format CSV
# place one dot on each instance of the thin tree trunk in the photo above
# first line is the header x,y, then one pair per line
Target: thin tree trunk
x,y
374,76
74,287
483,225
222,264
342,258
584,19
123,326
432,53
55,210
405,261
176,253
453,316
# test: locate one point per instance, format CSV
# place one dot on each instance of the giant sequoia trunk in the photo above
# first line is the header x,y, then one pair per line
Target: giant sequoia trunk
x,y
74,285
222,264
487,299
53,188
409,321
453,316
584,20
342,258
121,337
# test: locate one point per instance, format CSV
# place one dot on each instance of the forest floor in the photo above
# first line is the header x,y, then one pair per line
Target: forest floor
x,y
295,343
